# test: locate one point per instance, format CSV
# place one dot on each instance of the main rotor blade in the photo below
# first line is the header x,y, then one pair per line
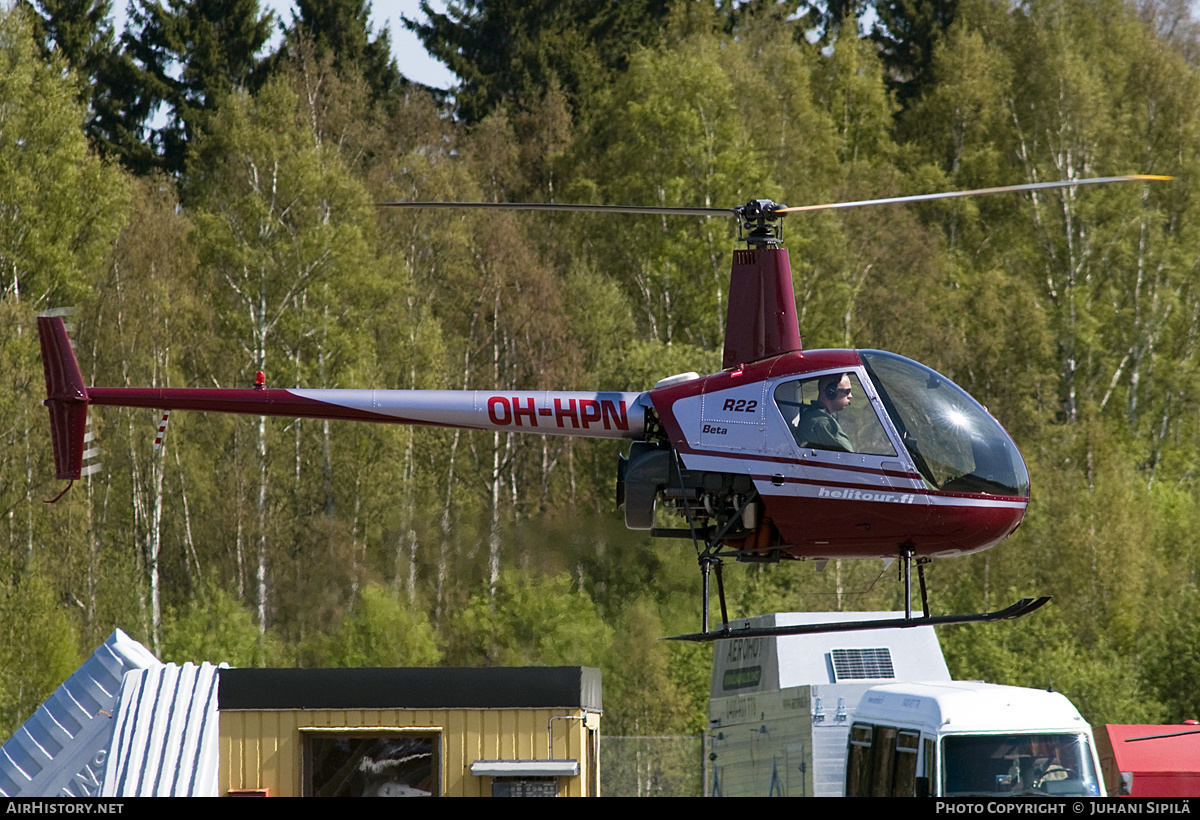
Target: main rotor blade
x,y
773,210
1031,186
545,206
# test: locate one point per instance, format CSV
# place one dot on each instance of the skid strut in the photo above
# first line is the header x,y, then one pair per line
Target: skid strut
x,y
906,561
713,562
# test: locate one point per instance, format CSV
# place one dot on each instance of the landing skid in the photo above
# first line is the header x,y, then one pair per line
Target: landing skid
x,y
709,560
1020,608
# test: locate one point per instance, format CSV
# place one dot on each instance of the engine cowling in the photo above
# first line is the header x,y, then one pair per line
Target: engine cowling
x,y
651,471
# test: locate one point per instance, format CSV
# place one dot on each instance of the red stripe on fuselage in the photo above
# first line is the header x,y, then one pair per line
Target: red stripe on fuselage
x,y
808,463
247,401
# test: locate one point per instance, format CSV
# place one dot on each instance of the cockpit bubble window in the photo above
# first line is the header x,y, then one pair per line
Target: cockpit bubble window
x,y
955,443
851,427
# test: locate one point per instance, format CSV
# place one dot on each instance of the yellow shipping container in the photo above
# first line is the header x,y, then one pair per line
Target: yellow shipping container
x,y
410,732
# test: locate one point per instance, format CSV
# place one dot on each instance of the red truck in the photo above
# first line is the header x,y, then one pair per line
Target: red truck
x,y
1150,761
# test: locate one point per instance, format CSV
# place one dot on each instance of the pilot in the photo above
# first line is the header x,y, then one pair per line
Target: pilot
x,y
818,425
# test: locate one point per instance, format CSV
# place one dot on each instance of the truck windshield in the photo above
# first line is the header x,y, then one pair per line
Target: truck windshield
x,y
1018,765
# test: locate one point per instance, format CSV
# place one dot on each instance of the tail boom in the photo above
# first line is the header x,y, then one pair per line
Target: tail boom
x,y
588,414
570,413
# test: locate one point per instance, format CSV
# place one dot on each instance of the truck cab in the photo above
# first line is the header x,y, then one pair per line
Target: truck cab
x,y
966,739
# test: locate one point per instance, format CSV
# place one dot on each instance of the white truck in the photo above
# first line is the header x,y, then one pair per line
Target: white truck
x,y
964,739
837,714
780,707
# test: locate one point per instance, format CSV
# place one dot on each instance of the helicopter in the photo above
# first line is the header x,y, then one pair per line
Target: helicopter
x,y
919,470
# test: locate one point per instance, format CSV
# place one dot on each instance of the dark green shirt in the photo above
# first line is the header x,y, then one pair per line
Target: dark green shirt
x,y
820,429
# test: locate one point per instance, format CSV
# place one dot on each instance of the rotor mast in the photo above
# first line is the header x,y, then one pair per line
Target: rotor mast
x,y
761,321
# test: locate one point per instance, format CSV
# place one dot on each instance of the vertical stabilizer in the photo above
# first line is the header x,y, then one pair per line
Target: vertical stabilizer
x,y
66,397
761,321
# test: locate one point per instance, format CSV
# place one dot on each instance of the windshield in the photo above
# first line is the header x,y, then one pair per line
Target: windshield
x,y
1018,765
955,443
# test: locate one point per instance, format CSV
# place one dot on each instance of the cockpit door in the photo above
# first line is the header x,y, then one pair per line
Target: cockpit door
x,y
834,449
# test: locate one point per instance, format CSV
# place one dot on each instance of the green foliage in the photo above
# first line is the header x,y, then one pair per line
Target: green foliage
x,y
380,631
1173,657
80,33
647,695
508,51
908,33
530,620
1106,685
218,46
640,663
1074,315
59,207
963,118
670,133
275,214
341,30
212,626
39,649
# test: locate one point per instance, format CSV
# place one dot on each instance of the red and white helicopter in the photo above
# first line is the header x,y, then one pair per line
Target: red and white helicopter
x,y
920,470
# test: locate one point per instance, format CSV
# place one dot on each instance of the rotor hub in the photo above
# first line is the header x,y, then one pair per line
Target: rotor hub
x,y
759,223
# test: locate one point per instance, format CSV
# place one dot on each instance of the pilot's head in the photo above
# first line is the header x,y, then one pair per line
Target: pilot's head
x,y
834,392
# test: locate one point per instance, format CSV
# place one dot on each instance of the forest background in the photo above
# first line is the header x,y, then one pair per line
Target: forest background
x,y
207,207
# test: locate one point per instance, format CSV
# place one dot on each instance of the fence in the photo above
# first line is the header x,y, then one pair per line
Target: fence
x,y
652,766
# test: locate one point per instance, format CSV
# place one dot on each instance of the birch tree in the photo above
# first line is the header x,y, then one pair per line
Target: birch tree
x,y
275,214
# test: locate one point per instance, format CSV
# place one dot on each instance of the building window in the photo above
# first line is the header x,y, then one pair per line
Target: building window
x,y
360,764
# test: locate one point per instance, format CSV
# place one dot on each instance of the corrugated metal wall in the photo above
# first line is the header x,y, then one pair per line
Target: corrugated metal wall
x,y
61,750
165,741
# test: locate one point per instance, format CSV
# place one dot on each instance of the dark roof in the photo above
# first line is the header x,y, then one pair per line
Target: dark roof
x,y
527,687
